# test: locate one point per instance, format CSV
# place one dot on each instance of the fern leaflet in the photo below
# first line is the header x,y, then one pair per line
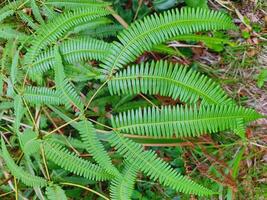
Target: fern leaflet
x,y
20,173
57,27
122,186
72,163
182,122
154,167
94,146
65,90
143,35
41,95
72,51
167,80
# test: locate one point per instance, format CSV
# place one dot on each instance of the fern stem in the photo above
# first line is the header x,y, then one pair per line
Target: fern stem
x,y
16,188
98,90
5,194
45,164
145,98
96,122
63,125
85,188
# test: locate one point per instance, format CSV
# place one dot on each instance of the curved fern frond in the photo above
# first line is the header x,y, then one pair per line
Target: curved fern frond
x,y
57,27
95,147
154,167
27,20
7,32
20,173
55,192
36,12
167,79
41,95
65,89
122,186
72,163
143,35
182,122
72,51
73,4
9,9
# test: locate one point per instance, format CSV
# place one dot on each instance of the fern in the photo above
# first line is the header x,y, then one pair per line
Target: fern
x,y
56,28
94,147
28,20
20,173
36,12
65,90
154,167
54,192
41,95
122,186
72,51
167,80
9,9
73,4
72,163
7,32
182,122
143,35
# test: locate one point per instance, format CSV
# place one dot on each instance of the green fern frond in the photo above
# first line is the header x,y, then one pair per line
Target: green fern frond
x,y
154,167
57,27
36,12
9,9
41,95
73,4
65,89
167,79
122,186
20,173
72,163
67,93
95,147
5,14
49,12
182,122
143,35
54,192
7,32
27,20
72,51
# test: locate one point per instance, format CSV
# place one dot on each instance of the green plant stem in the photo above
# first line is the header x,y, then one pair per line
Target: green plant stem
x,y
85,188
